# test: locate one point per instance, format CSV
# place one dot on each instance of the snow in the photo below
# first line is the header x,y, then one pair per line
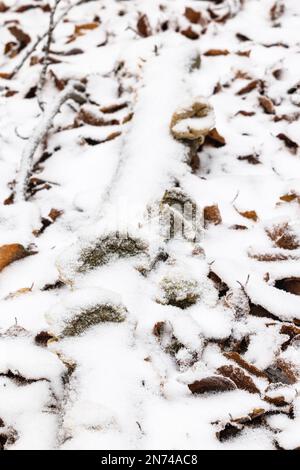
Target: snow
x,y
123,383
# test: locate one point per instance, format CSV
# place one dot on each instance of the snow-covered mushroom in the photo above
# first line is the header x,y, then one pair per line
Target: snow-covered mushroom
x,y
193,121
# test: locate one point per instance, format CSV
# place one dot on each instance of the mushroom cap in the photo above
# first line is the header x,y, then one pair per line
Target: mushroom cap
x,y
193,121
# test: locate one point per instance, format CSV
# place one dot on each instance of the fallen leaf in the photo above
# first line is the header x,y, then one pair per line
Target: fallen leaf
x,y
17,293
6,75
291,285
113,108
253,159
212,384
289,143
282,371
81,29
249,215
212,215
242,37
244,53
283,237
277,10
190,33
42,338
289,197
194,16
245,113
143,26
3,7
23,38
215,139
236,357
251,86
238,376
266,104
216,52
11,253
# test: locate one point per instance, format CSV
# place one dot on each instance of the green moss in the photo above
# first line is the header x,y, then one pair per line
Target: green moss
x,y
108,248
98,314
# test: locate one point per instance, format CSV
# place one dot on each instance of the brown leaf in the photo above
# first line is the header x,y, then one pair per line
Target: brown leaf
x,y
215,139
194,16
266,104
291,285
244,53
242,37
3,7
6,75
245,113
238,376
282,371
289,197
59,83
259,311
81,29
113,108
23,38
11,253
190,33
91,141
216,52
17,293
289,143
46,8
283,237
212,384
143,26
236,357
212,215
42,338
252,159
93,120
251,86
277,10
249,215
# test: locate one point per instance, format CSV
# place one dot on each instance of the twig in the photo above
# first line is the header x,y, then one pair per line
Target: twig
x,y
74,91
43,75
39,39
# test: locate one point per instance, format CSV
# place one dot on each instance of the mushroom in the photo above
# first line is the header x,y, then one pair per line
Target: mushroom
x,y
191,123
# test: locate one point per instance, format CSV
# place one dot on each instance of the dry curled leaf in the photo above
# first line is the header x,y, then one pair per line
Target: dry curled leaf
x,y
248,88
215,139
212,215
216,52
194,16
266,104
22,38
289,197
283,237
236,357
81,29
238,376
3,7
277,10
282,371
190,33
289,143
253,159
291,285
212,384
245,113
249,215
11,253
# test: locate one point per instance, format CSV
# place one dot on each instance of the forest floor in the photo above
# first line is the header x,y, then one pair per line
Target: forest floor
x,y
149,215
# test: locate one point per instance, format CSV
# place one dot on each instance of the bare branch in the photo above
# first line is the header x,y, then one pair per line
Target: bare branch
x,y
46,56
39,39
74,91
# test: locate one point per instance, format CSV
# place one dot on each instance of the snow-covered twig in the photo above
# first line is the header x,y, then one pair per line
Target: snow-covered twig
x,y
73,91
43,75
39,39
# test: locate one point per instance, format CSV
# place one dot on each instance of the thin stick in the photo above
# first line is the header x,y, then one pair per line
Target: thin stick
x,y
46,56
39,39
74,90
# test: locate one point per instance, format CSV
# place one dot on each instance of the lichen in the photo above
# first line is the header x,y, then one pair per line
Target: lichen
x,y
90,317
107,248
178,291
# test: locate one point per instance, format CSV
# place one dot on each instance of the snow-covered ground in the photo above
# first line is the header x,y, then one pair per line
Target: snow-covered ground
x,y
117,330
